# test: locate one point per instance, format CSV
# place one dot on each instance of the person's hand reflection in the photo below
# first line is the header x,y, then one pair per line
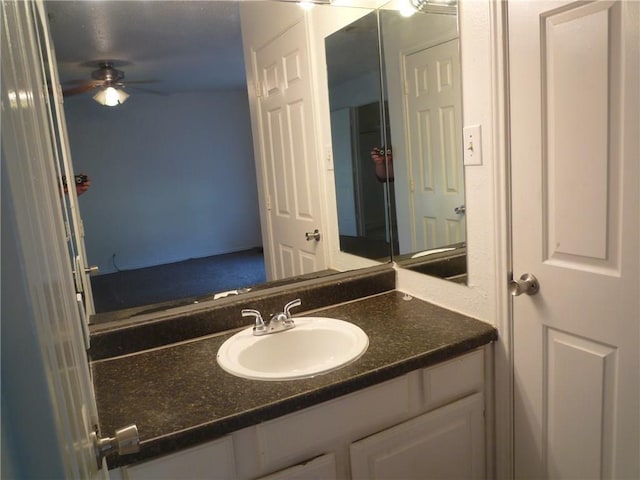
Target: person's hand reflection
x,y
81,181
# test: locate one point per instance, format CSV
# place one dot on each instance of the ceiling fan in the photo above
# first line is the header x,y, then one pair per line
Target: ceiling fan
x,y
110,82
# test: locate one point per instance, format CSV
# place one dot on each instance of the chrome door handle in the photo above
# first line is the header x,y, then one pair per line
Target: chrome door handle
x,y
528,284
315,235
460,210
125,442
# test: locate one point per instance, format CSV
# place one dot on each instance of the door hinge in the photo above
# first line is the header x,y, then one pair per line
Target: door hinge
x,y
267,202
412,185
67,230
259,89
60,94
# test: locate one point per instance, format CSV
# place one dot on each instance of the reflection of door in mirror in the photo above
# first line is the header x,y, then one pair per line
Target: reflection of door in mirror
x,y
432,103
353,69
286,126
422,74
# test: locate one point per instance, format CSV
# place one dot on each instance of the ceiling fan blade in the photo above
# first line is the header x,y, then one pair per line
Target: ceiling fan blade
x,y
80,81
80,89
146,90
130,82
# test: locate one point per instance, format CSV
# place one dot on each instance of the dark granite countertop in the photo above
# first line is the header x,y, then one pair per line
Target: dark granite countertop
x,y
178,396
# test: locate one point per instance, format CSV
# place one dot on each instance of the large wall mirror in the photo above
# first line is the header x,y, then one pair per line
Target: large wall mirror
x,y
396,118
172,169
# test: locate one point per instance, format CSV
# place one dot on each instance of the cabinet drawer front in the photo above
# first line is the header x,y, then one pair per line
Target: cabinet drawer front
x,y
454,379
447,443
320,468
299,435
210,460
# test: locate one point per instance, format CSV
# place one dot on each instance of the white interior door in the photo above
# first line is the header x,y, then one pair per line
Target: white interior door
x,y
434,127
64,168
45,273
574,79
289,155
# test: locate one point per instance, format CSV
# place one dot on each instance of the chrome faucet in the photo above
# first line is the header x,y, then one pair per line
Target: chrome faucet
x,y
277,323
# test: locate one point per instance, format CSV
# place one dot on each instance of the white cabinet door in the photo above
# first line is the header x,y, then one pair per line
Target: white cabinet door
x,y
320,468
447,443
212,460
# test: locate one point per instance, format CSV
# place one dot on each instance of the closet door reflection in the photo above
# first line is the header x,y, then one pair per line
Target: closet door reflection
x,y
423,84
406,188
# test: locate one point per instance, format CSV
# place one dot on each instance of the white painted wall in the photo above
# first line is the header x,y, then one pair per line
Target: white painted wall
x,y
359,91
172,177
343,168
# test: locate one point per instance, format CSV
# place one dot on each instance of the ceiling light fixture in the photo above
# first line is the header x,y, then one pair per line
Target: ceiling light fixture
x,y
407,8
111,96
307,4
434,6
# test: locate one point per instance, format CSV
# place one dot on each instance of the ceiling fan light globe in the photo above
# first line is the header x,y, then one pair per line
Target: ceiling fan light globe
x,y
111,96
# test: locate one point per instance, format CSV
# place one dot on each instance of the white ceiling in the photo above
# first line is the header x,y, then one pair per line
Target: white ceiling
x,y
182,45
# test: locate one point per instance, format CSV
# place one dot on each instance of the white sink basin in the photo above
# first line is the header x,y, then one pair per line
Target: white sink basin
x,y
316,345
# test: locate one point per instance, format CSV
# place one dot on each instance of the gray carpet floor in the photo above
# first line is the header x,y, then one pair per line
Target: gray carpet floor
x,y
190,278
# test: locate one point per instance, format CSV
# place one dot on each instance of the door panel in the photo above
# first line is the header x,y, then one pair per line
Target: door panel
x,y
35,204
288,155
574,110
434,121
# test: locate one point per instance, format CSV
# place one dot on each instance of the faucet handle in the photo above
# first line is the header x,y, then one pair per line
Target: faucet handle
x,y
259,326
294,303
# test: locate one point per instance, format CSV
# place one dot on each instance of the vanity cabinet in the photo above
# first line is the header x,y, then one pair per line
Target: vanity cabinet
x,y
429,423
447,443
213,459
319,468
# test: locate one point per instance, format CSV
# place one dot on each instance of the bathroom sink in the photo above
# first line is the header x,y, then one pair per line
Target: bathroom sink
x,y
315,346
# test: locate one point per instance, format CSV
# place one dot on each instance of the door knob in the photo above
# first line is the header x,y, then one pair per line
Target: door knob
x,y
315,235
528,284
125,442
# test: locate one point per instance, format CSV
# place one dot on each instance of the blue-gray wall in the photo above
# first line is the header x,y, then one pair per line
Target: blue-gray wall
x,y
172,177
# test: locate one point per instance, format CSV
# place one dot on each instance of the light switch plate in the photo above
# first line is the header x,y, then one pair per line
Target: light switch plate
x,y
472,135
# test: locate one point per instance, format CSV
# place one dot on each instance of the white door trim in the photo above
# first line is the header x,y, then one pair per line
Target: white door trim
x,y
503,351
